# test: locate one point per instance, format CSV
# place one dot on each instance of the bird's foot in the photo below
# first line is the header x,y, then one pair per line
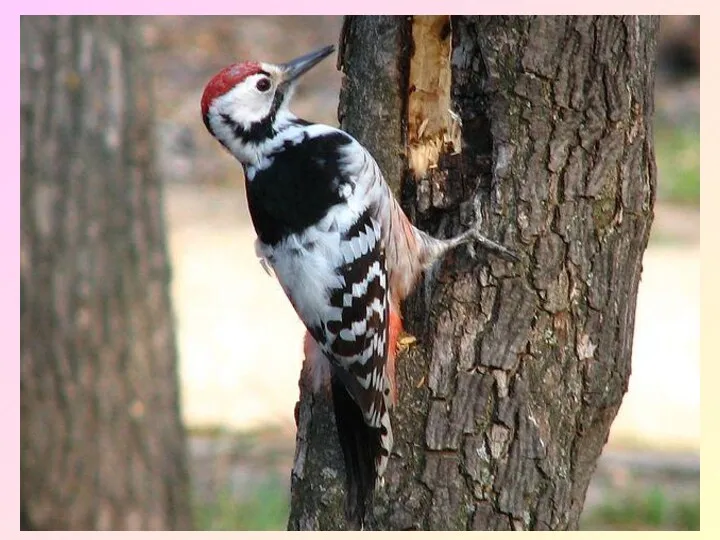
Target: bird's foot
x,y
473,235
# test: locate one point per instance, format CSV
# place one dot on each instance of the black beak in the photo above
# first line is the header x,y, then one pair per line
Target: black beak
x,y
293,69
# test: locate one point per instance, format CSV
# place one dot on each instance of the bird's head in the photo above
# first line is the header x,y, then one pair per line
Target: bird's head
x,y
244,103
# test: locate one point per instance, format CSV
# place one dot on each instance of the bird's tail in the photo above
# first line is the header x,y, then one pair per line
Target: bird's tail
x,y
361,445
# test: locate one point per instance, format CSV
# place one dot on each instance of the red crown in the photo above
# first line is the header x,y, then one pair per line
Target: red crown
x,y
225,80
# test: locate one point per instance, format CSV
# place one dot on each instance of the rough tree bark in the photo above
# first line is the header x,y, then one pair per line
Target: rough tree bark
x,y
102,444
506,400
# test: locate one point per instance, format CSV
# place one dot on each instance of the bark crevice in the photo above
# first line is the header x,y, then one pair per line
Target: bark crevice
x,y
506,399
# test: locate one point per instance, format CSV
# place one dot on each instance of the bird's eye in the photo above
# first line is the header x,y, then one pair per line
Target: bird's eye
x,y
263,85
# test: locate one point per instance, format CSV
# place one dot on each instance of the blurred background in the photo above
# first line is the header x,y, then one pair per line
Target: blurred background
x,y
240,342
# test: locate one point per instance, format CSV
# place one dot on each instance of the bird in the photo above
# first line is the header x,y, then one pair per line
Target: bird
x,y
345,254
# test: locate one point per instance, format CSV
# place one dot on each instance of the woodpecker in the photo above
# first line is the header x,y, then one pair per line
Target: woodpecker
x,y
343,251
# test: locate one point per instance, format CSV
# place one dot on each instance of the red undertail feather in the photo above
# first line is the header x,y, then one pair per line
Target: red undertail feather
x,y
394,331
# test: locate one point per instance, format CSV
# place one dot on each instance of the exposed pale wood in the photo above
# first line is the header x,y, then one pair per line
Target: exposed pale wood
x,y
432,127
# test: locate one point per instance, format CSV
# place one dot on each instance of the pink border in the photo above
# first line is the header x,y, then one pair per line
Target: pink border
x,y
9,137
399,7
10,280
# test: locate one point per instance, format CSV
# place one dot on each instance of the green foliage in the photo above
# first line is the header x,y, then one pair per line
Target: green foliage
x,y
649,510
687,515
677,151
265,508
248,478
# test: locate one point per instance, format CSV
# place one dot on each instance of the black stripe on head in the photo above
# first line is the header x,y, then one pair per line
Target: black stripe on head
x,y
263,129
257,132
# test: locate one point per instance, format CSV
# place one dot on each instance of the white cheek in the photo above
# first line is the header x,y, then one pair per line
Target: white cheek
x,y
245,105
252,109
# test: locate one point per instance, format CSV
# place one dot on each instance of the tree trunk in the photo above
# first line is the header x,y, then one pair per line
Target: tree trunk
x,y
102,442
506,400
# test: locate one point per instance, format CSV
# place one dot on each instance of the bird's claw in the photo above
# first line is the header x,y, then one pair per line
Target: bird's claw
x,y
489,245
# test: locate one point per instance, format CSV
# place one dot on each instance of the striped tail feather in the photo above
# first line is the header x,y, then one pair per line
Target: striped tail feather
x,y
361,444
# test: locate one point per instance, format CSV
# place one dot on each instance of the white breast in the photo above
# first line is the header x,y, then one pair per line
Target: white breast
x,y
306,264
